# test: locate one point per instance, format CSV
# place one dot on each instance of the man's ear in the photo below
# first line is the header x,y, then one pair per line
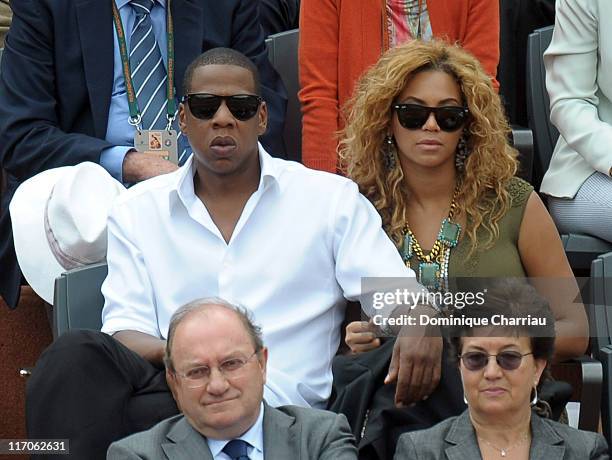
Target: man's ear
x,y
172,383
182,114
262,358
263,121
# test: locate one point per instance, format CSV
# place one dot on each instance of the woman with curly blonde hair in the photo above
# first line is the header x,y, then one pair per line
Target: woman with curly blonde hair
x,y
427,143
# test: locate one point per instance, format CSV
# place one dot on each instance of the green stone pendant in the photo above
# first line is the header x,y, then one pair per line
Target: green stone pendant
x,y
429,274
407,247
449,233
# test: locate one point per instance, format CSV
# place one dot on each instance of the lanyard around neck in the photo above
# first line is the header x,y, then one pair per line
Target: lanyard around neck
x,y
135,116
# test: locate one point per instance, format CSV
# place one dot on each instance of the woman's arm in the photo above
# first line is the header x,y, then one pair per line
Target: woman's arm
x,y
545,263
318,68
571,63
481,36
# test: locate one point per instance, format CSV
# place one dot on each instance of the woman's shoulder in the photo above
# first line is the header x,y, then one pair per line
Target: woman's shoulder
x,y
432,443
579,443
519,191
439,431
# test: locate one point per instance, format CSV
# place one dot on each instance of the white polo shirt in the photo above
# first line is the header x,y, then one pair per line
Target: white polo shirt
x,y
301,246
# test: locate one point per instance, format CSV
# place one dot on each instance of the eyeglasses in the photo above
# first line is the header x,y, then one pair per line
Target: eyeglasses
x,y
204,106
199,376
414,116
507,360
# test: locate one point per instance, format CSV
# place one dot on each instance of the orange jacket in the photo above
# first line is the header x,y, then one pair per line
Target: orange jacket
x,y
339,39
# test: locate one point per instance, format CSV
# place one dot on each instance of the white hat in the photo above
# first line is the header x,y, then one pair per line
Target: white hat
x,y
59,222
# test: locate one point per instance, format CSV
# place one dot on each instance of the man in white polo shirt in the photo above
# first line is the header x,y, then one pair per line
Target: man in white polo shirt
x,y
289,243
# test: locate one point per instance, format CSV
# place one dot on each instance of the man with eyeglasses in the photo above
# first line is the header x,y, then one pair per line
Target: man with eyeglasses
x,y
216,368
289,243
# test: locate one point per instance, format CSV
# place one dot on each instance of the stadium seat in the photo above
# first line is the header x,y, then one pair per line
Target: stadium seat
x,y
2,177
282,53
522,140
601,331
77,299
580,249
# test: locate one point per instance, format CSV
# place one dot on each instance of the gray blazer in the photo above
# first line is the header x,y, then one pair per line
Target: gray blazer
x,y
455,439
290,432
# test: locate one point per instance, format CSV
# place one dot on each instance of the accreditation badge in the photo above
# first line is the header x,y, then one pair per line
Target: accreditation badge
x,y
161,142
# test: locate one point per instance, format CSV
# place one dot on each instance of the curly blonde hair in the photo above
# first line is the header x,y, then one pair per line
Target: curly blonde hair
x,y
482,186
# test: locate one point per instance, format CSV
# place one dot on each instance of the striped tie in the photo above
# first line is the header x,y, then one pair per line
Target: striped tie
x,y
149,75
147,68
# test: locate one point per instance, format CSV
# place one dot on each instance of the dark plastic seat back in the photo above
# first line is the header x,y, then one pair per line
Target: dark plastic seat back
x,y
283,55
78,300
601,331
538,105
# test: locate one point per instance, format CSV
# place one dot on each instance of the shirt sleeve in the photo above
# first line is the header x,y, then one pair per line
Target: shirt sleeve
x,y
112,158
482,35
129,301
318,68
363,251
571,79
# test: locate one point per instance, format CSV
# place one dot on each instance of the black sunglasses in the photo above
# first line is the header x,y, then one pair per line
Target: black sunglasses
x,y
507,360
204,106
414,116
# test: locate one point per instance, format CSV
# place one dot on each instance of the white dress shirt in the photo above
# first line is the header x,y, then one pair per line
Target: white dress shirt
x,y
302,244
254,436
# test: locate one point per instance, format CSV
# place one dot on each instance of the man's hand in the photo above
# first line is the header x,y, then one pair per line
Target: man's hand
x,y
139,166
361,336
416,366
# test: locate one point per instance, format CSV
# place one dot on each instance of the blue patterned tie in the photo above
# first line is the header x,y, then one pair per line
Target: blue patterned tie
x,y
147,68
149,75
237,449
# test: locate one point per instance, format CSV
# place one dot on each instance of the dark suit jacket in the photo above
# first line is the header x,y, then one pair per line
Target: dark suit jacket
x,y
5,19
518,18
56,81
290,432
455,439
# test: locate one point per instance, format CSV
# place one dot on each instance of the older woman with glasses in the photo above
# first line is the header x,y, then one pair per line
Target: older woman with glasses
x,y
427,143
501,369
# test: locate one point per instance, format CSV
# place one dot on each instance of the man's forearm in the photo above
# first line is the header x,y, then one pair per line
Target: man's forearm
x,y
414,328
150,348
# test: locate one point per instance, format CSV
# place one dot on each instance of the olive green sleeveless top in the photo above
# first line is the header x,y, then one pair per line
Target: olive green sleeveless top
x,y
503,258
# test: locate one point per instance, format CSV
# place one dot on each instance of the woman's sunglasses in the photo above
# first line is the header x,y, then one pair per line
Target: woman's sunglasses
x,y
507,360
414,116
204,106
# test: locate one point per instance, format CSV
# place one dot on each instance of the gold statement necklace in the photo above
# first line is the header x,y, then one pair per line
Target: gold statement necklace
x,y
433,267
